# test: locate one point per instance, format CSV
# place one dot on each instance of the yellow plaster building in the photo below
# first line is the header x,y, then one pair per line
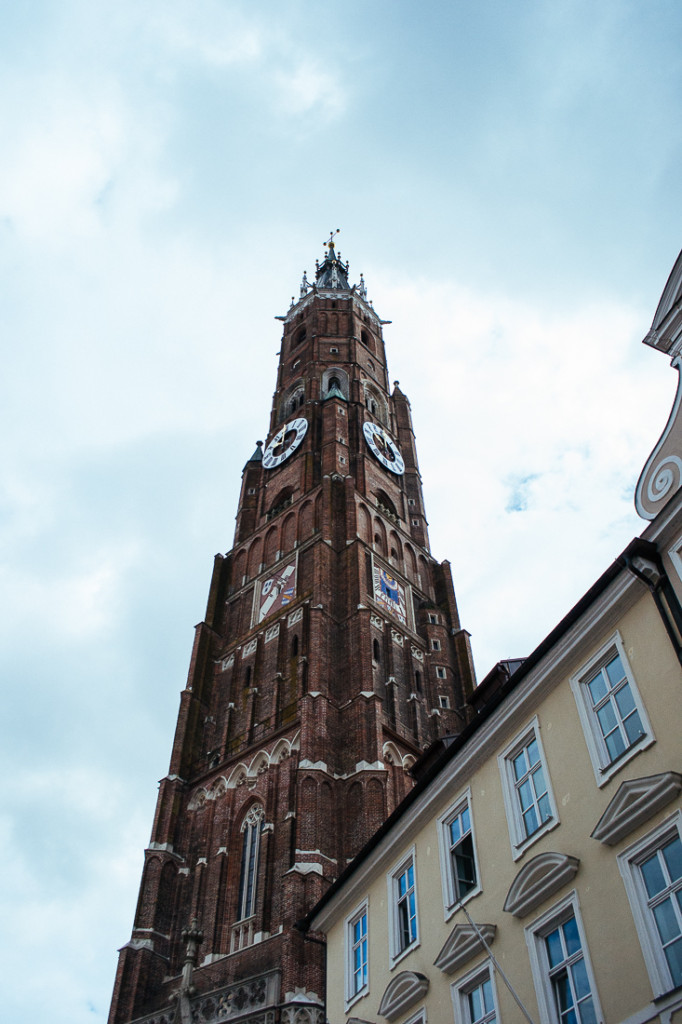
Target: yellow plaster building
x,y
534,873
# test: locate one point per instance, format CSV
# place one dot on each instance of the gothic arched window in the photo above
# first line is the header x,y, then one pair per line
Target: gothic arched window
x,y
252,826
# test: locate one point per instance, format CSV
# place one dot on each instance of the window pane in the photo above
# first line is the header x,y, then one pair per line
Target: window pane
x,y
672,854
525,795
413,912
475,1005
652,875
571,936
607,718
465,870
545,812
488,995
580,979
564,995
674,956
533,752
404,925
615,744
530,822
519,763
666,921
633,727
538,778
615,671
587,1014
555,950
597,688
625,701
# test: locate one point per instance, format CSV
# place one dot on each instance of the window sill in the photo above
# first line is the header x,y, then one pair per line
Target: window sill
x,y
604,773
549,826
356,998
452,908
395,960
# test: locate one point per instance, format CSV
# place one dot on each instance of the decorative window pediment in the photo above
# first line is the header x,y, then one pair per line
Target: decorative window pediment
x,y
540,878
634,803
401,993
463,943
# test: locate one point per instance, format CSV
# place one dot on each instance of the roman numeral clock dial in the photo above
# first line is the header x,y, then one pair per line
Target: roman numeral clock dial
x,y
284,443
383,448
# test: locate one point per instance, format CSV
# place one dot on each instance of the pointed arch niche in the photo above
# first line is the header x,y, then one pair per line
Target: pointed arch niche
x,y
375,402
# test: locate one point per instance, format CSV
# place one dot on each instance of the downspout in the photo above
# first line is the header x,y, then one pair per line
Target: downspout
x,y
642,559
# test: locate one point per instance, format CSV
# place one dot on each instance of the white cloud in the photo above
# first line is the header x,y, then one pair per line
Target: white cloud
x,y
308,88
532,427
212,33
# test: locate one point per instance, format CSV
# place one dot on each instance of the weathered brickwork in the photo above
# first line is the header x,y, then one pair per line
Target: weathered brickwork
x,y
308,695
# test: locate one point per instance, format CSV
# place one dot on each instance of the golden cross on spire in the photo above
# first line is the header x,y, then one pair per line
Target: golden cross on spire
x,y
330,240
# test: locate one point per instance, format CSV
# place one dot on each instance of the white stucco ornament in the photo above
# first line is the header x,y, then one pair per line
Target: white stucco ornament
x,y
662,475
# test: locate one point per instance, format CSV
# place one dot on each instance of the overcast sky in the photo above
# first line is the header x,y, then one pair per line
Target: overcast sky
x,y
505,174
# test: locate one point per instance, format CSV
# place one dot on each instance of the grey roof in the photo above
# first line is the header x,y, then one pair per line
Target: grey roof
x,y
332,273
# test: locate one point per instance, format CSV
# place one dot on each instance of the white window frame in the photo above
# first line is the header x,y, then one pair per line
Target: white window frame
x,y
396,950
539,963
649,939
461,990
517,831
602,764
451,901
440,672
353,993
435,645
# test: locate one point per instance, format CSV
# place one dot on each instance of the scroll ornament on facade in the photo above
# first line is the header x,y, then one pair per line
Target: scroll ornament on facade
x,y
662,475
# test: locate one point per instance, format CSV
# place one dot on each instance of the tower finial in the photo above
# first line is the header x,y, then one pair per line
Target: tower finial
x,y
330,241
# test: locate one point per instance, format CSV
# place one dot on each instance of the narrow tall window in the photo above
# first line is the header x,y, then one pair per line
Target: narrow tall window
x,y
458,857
252,827
462,853
613,704
357,954
652,872
474,997
568,975
402,908
611,710
662,877
480,1003
564,981
531,787
529,802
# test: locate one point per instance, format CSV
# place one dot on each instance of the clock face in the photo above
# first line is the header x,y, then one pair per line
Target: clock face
x,y
384,448
284,443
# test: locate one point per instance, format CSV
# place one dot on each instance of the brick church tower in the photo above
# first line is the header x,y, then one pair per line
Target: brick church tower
x,y
330,656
